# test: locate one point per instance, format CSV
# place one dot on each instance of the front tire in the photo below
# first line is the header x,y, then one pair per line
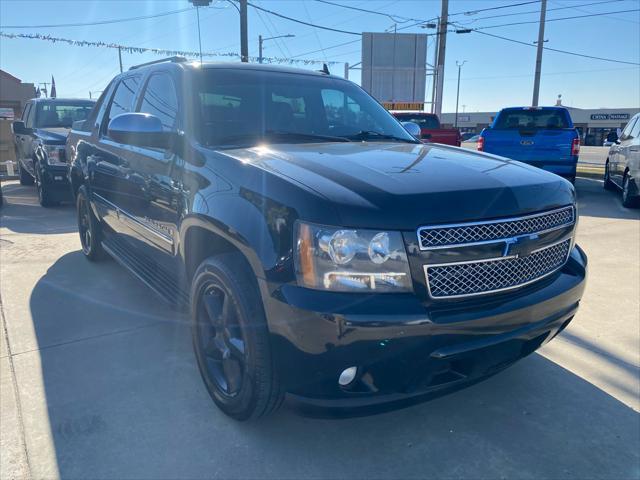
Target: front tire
x,y
25,177
628,200
608,184
231,339
89,228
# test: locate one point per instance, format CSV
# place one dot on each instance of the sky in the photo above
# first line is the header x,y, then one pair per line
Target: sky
x,y
497,72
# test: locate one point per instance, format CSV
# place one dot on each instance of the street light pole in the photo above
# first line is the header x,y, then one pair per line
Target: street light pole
x,y
459,65
261,40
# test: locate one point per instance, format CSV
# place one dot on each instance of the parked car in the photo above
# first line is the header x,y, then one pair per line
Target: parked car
x,y
39,139
540,136
430,129
473,139
323,251
622,167
467,136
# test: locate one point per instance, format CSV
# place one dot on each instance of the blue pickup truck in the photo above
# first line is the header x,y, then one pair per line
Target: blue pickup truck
x,y
540,136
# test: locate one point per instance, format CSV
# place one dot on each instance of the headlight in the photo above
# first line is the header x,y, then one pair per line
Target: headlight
x,y
349,260
55,154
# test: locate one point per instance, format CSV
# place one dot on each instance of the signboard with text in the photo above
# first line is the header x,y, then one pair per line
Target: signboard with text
x,y
609,116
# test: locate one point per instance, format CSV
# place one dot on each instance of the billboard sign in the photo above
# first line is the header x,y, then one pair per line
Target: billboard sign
x,y
394,67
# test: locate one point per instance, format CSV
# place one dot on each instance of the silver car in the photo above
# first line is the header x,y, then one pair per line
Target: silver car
x,y
622,170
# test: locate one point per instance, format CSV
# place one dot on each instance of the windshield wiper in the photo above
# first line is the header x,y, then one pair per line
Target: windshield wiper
x,y
368,134
310,136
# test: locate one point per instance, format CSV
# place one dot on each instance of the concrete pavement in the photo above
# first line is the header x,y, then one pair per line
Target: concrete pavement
x,y
98,380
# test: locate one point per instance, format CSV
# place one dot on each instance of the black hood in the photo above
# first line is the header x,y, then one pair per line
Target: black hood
x,y
402,186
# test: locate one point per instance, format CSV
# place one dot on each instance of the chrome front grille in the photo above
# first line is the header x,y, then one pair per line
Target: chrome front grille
x,y
445,236
473,278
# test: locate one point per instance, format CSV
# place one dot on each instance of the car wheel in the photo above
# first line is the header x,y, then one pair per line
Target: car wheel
x,y
231,339
44,197
25,177
608,184
88,228
628,200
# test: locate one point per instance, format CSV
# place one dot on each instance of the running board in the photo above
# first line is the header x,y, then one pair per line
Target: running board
x,y
149,272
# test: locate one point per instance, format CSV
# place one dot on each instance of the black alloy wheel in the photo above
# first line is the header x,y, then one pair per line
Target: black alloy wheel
x,y
231,338
88,228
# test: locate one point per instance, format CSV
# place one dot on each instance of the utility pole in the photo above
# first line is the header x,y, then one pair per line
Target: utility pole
x,y
119,58
244,34
199,37
459,65
536,80
346,70
442,46
259,48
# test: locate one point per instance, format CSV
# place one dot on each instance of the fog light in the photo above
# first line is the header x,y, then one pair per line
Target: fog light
x,y
347,376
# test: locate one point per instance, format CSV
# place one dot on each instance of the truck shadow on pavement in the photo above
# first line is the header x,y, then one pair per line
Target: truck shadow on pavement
x,y
21,212
124,400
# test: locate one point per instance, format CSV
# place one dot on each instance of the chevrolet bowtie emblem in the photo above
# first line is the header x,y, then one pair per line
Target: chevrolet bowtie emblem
x,y
520,246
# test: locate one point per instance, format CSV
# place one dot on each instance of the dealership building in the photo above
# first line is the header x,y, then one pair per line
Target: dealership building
x,y
593,124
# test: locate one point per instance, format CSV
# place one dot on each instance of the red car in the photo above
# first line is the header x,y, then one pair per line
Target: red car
x,y
430,129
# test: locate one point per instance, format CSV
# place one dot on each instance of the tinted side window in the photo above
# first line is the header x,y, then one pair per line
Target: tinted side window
x,y
160,100
123,98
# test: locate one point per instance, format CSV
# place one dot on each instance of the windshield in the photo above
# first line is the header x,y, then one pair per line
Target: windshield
x,y
246,107
425,122
531,119
61,115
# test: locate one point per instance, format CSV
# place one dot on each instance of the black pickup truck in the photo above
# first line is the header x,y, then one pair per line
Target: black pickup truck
x,y
326,255
39,139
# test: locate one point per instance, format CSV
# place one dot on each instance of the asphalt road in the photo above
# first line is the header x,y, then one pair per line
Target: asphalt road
x,y
98,380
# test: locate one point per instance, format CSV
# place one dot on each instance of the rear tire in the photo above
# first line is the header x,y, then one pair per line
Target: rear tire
x,y
89,228
44,197
628,200
231,338
25,177
608,184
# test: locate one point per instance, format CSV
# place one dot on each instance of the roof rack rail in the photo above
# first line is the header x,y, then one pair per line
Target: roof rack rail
x,y
175,59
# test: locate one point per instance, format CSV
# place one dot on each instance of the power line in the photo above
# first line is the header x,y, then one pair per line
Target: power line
x,y
392,17
556,19
302,22
548,10
473,12
100,22
326,48
555,49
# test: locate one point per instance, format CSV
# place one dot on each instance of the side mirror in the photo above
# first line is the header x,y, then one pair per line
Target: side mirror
x,y
412,128
19,128
140,130
78,125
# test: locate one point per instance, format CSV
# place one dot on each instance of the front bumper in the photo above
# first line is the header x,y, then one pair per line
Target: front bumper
x,y
405,348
